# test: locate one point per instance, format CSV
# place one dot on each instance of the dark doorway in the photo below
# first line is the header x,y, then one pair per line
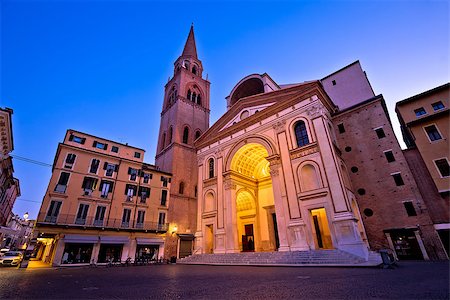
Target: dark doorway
x,y
405,244
248,239
275,228
444,234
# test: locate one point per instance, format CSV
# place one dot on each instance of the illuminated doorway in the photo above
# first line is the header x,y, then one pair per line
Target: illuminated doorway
x,y
320,229
209,239
254,199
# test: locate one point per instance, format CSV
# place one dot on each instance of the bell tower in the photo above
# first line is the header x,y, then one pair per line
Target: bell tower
x,y
184,117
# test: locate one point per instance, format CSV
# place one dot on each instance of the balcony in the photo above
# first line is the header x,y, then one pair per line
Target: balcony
x,y
65,220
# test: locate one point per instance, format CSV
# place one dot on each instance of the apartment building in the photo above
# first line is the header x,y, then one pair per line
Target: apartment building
x,y
424,120
103,203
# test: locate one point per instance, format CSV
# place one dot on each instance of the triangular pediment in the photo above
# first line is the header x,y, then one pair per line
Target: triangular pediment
x,y
271,103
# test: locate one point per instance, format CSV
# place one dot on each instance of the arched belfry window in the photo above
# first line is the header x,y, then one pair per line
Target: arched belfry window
x,y
211,167
170,135
185,135
189,94
194,96
194,70
301,134
197,134
199,100
181,189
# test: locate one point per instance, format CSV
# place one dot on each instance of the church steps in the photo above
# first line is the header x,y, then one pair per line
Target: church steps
x,y
293,258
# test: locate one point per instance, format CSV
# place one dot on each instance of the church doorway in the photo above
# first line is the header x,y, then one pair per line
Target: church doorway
x,y
320,229
209,239
254,199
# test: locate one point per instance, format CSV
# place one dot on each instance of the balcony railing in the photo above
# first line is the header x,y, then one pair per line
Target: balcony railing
x,y
72,220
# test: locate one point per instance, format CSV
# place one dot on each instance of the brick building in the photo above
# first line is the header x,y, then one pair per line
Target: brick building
x,y
424,120
103,203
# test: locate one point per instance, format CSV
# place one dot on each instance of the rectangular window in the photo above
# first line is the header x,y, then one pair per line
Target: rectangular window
x,y
140,219
99,216
443,167
133,173
110,169
438,105
77,139
137,155
147,177
70,159
433,133
89,184
62,182
164,181
53,211
82,214
106,188
398,179
163,197
380,133
144,193
410,209
420,112
94,166
99,145
162,218
389,156
341,128
126,217
333,82
130,191
115,149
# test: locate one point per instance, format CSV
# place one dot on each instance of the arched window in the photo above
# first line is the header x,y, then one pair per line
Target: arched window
x,y
194,70
199,100
186,64
185,135
309,178
189,94
163,140
211,167
301,134
197,134
170,135
194,96
181,189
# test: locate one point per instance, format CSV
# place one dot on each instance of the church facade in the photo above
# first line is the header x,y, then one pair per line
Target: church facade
x,y
306,166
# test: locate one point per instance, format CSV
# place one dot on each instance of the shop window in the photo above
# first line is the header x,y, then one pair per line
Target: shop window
x,y
77,253
110,253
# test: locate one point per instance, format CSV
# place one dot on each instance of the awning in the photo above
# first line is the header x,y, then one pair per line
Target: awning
x,y
114,239
77,238
154,241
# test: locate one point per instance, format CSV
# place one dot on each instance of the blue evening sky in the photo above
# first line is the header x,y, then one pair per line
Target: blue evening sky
x,y
100,66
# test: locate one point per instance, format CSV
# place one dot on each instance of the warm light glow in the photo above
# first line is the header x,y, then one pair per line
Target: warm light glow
x,y
250,161
244,201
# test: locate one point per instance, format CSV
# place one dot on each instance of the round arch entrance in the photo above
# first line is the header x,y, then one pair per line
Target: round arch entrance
x,y
255,209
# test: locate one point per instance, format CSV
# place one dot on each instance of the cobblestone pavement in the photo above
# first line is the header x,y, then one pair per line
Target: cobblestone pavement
x,y
411,280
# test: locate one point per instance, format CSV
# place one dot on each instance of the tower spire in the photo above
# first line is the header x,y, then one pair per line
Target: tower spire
x,y
189,48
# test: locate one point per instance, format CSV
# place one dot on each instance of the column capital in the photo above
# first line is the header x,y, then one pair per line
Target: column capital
x,y
279,126
274,160
317,110
218,153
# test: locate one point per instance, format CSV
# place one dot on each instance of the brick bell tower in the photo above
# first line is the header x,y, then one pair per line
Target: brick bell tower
x,y
184,117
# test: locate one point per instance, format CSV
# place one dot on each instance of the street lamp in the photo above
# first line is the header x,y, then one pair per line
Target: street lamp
x,y
25,216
